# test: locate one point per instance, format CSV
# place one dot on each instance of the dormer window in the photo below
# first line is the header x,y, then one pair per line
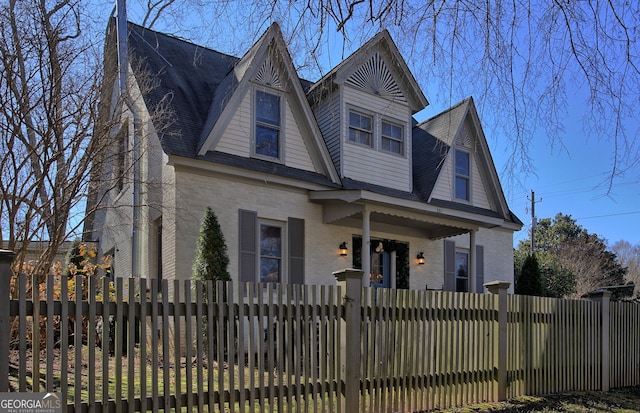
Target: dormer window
x,y
462,183
360,128
268,122
392,138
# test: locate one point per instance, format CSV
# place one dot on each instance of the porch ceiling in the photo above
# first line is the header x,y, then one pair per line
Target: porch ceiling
x,y
394,218
404,225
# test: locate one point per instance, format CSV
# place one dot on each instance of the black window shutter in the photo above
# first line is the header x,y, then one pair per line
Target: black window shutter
x,y
248,221
449,265
479,269
296,250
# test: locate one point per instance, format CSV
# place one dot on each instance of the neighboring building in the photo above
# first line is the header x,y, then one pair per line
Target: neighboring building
x,y
293,169
37,248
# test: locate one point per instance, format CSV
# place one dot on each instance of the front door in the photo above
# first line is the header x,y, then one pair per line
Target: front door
x,y
380,269
384,272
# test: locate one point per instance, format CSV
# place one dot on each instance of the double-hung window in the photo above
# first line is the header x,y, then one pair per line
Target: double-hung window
x,y
462,183
270,253
268,119
374,131
462,271
270,250
360,128
392,138
121,157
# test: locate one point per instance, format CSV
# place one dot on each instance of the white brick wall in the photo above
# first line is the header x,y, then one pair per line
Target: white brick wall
x,y
498,253
226,195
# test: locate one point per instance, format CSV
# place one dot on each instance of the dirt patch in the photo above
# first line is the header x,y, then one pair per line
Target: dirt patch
x,y
624,400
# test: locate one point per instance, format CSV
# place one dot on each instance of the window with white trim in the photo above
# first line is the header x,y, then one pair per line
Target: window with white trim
x,y
376,132
271,251
267,124
392,138
462,175
360,128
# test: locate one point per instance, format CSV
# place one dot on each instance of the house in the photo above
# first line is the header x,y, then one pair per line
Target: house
x,y
36,248
305,178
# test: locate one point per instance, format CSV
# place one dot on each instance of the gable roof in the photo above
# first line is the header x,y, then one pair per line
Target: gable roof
x,y
416,99
188,74
433,140
241,74
202,82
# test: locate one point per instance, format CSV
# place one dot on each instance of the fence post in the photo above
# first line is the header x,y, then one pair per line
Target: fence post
x,y
6,258
500,288
604,297
351,282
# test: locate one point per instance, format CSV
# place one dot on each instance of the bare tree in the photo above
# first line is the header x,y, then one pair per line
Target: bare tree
x,y
573,261
49,87
526,58
592,265
54,129
629,257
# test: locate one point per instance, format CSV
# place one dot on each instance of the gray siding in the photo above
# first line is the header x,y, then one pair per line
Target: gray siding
x,y
327,114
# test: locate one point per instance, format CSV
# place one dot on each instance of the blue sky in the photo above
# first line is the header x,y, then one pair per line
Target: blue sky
x,y
569,174
572,179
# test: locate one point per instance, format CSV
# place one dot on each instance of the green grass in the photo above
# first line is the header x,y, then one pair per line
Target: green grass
x,y
624,400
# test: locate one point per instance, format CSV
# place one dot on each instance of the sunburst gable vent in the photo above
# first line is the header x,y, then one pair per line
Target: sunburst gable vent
x,y
375,77
269,75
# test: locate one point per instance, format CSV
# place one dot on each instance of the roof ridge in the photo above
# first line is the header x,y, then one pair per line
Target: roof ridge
x,y
180,39
444,112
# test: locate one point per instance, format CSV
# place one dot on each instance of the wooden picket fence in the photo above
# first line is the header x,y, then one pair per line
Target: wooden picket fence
x,y
294,348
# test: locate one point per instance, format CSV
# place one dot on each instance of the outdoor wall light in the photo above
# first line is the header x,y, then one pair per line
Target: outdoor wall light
x,y
420,258
343,249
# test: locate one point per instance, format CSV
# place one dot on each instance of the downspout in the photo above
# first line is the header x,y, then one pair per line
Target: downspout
x,y
123,70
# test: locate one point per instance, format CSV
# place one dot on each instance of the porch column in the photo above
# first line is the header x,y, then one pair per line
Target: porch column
x,y
366,248
472,262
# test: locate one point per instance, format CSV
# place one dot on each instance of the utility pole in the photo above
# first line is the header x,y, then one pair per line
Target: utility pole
x,y
534,222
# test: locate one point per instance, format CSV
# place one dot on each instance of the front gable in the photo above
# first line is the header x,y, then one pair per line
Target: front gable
x,y
233,124
377,68
364,108
467,161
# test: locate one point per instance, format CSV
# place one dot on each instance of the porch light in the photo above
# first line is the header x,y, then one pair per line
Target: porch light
x,y
420,258
343,249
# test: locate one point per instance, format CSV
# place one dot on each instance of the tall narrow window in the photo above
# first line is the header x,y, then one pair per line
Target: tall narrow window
x,y
462,271
392,138
122,138
267,110
462,175
270,253
360,128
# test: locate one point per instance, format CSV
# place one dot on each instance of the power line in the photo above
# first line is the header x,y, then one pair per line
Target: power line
x,y
556,194
611,215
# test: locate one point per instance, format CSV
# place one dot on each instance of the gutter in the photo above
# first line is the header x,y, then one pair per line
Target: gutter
x,y
123,69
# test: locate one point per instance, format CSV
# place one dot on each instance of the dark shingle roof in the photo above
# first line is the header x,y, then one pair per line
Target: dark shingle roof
x,y
199,81
429,154
267,167
348,183
188,74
